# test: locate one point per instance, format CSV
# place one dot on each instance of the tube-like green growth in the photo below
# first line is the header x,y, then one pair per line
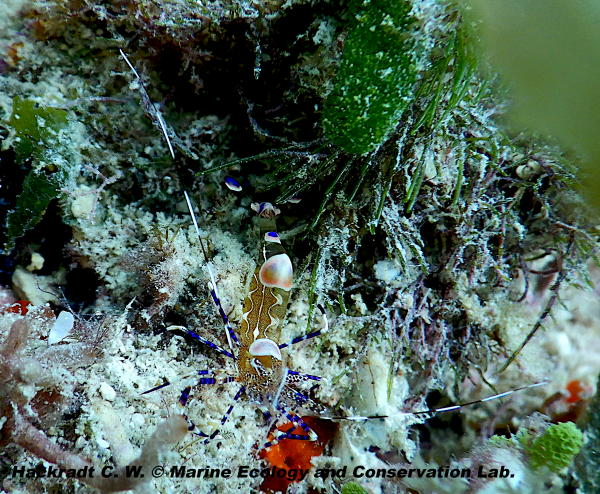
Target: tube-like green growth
x,y
556,447
375,77
353,488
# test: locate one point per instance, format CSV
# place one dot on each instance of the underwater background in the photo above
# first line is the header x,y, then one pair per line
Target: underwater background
x,y
451,241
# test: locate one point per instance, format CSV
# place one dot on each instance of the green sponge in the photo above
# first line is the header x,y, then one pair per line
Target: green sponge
x,y
556,447
353,488
375,77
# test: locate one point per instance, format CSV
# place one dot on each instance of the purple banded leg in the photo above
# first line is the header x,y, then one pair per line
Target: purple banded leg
x,y
291,395
300,398
217,302
266,413
309,335
185,395
241,391
296,422
295,376
301,338
213,283
193,428
209,344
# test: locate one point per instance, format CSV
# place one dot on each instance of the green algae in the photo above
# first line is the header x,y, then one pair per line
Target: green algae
x,y
353,488
37,137
375,77
38,191
37,128
555,448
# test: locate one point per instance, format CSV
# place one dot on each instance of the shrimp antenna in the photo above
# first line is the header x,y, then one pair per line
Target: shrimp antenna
x,y
435,411
158,120
150,108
